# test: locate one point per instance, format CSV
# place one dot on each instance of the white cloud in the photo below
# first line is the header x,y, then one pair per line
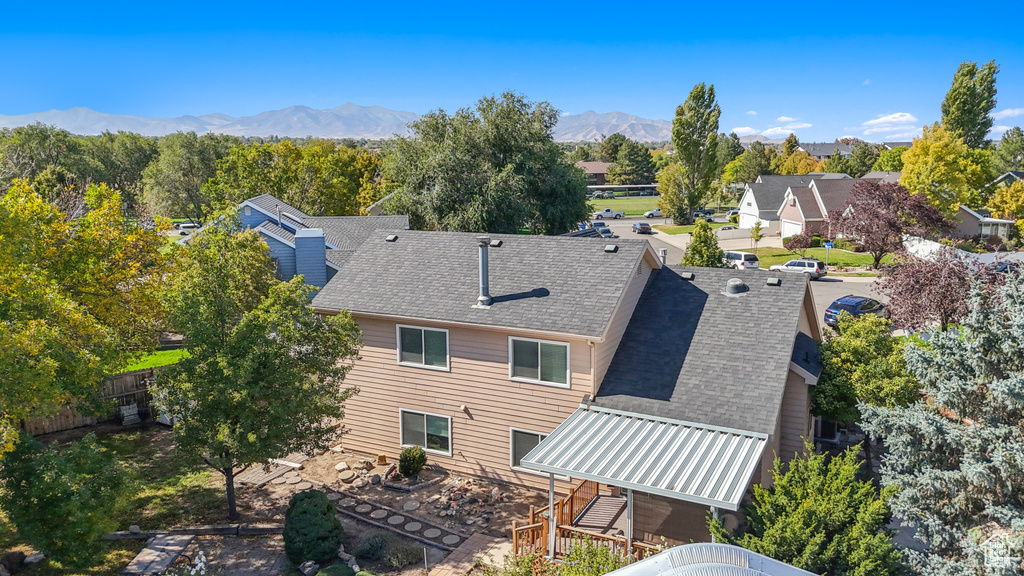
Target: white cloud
x,y
776,132
752,112
745,131
888,119
901,137
884,129
998,130
1008,113
867,81
797,125
785,119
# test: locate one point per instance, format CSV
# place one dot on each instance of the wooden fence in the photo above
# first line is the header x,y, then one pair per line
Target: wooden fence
x,y
119,390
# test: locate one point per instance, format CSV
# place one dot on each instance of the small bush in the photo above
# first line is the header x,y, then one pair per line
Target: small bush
x,y
339,569
374,546
390,549
400,554
311,529
411,461
735,218
816,241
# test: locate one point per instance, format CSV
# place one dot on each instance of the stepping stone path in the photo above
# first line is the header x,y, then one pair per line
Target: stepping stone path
x,y
451,540
347,476
279,480
333,496
400,523
363,508
378,514
303,485
410,506
359,483
431,532
293,480
347,502
395,520
159,553
413,527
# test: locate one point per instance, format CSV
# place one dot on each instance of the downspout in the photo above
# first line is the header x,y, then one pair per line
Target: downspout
x,y
593,368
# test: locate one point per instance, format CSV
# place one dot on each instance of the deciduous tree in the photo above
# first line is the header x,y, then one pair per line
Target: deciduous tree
x,y
174,181
264,372
495,169
703,248
798,162
954,456
695,139
1008,201
879,214
819,516
933,166
972,96
756,235
925,292
799,243
890,160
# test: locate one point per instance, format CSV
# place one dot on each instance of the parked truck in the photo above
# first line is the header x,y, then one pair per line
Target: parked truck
x,y
607,213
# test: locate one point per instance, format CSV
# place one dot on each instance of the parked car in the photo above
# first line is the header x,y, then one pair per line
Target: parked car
x,y
1003,267
642,228
815,269
732,213
606,232
855,305
728,228
705,211
607,213
598,225
700,215
656,213
187,228
741,260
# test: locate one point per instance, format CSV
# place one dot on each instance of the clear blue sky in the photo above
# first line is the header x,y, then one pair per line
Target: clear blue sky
x,y
822,70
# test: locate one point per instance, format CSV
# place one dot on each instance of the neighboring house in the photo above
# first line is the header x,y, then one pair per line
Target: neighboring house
x,y
596,172
887,177
1007,178
891,145
314,246
762,198
810,206
971,224
822,150
482,348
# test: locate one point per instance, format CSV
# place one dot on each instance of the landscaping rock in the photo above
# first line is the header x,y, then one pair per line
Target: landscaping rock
x,y
359,483
34,558
495,495
341,466
346,476
343,556
13,561
355,567
309,568
375,479
134,529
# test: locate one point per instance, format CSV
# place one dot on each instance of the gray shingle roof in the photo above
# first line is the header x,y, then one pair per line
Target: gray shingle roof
x,y
808,205
805,354
276,230
770,191
339,257
692,353
545,283
348,232
270,204
890,177
835,194
585,233
822,149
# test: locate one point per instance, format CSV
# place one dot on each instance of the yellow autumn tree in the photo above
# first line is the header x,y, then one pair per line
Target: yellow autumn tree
x,y
78,301
937,165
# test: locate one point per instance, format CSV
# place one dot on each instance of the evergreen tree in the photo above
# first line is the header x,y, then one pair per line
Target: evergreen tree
x,y
818,516
753,163
956,457
835,163
703,248
608,148
965,111
790,145
729,148
632,166
862,158
1010,155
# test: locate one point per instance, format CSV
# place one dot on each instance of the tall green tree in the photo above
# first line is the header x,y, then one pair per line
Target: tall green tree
x,y
954,461
835,163
63,500
753,163
862,362
492,169
119,160
77,301
729,148
703,248
608,148
819,516
174,181
972,96
890,160
1010,154
632,166
934,166
695,138
862,157
264,373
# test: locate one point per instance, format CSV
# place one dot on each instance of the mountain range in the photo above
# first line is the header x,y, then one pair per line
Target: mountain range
x,y
346,121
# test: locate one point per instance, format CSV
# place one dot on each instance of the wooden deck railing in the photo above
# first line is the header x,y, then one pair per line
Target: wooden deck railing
x,y
577,501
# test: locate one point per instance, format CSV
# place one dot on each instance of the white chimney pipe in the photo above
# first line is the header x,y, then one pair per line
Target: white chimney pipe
x,y
484,300
663,256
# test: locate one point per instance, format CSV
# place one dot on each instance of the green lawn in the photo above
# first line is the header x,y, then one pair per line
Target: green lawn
x,y
840,258
633,206
157,359
671,229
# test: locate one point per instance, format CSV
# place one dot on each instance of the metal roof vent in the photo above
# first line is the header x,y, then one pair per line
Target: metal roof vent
x,y
611,248
484,299
495,243
773,281
735,287
686,275
391,237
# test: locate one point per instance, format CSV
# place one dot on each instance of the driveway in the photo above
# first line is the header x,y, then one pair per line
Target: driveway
x,y
829,288
676,243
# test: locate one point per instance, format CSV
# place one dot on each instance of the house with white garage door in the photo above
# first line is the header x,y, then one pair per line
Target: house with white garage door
x,y
809,206
762,198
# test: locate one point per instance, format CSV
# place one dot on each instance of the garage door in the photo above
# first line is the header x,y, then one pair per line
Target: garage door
x,y
790,228
747,220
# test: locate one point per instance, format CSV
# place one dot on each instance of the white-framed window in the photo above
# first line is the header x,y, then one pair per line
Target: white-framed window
x,y
248,210
432,432
538,361
423,347
520,443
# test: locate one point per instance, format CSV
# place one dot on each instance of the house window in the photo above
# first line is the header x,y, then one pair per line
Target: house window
x,y
522,441
539,361
423,347
431,432
248,211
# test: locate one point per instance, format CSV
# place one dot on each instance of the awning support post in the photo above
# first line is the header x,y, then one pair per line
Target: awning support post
x,y
714,514
552,525
629,520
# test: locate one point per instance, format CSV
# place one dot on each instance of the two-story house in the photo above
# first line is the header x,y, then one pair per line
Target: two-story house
x,y
761,199
485,350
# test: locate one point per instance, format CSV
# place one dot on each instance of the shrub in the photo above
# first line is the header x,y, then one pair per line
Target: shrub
x,y
390,549
311,529
411,461
735,218
400,554
374,546
816,241
339,569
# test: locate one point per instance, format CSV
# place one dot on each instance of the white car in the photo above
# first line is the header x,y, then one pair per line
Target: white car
x,y
607,213
741,260
656,213
815,269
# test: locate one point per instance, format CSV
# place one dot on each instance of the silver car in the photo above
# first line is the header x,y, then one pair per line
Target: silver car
x,y
814,269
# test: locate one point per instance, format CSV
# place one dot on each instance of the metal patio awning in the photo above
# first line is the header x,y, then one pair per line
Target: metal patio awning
x,y
697,463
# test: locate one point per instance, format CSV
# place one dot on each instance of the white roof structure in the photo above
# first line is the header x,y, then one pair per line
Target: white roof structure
x,y
707,465
709,560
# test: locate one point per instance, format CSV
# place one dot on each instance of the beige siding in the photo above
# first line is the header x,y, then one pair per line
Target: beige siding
x,y
966,225
478,381
606,350
790,211
796,418
809,322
